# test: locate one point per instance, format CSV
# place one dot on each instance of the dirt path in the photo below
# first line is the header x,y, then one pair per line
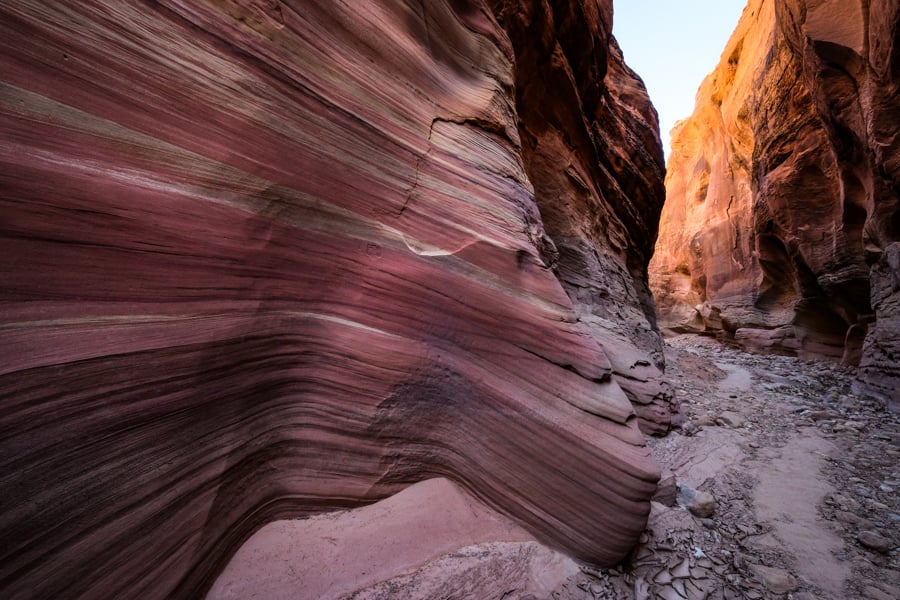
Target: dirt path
x,y
805,481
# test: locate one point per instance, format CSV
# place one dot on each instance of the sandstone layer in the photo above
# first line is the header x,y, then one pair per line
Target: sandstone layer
x,y
781,224
265,259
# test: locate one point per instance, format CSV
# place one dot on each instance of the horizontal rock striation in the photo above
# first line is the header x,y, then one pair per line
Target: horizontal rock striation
x,y
265,259
590,145
783,186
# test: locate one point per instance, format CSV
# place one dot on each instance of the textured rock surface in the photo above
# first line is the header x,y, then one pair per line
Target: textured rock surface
x,y
782,216
264,259
590,147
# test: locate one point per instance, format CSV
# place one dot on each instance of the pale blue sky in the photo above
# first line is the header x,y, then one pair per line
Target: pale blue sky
x,y
673,45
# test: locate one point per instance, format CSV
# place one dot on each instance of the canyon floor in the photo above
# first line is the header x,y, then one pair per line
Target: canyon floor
x,y
803,475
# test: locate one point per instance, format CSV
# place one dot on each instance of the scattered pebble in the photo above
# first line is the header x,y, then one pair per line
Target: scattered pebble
x,y
777,581
875,541
821,415
731,419
666,490
700,504
847,517
873,593
705,421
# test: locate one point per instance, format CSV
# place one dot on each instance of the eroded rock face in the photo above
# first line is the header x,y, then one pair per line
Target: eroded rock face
x,y
783,189
264,259
590,147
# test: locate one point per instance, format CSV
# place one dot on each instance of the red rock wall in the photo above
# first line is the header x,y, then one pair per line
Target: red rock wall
x,y
264,259
591,148
782,207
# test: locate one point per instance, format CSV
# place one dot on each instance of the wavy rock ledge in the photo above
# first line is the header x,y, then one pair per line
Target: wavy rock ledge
x,y
266,259
783,213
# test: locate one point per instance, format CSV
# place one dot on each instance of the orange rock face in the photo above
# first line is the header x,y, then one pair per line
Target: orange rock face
x,y
263,259
782,213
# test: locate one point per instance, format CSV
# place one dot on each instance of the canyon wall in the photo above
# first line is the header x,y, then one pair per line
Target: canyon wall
x,y
781,225
269,258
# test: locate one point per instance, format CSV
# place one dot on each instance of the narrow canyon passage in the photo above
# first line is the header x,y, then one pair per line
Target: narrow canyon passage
x,y
389,299
783,191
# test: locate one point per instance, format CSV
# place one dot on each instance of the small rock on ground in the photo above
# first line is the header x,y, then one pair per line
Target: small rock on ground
x,y
875,541
667,489
731,419
777,581
700,504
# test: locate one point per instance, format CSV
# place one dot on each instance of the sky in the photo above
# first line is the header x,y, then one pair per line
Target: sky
x,y
673,45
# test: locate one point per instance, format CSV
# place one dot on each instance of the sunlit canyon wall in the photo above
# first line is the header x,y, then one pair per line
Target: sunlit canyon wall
x,y
781,226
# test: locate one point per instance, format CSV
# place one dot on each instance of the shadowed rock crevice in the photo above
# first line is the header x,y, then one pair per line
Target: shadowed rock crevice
x,y
591,150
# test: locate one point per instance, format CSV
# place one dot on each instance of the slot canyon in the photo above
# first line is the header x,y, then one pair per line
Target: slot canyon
x,y
403,299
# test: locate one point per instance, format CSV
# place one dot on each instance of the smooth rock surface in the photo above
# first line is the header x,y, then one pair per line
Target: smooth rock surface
x,y
266,259
432,532
781,225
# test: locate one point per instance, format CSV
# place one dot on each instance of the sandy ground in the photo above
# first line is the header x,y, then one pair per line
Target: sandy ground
x,y
804,481
430,540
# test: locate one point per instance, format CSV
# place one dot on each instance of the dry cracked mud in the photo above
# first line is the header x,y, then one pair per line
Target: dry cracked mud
x,y
804,474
